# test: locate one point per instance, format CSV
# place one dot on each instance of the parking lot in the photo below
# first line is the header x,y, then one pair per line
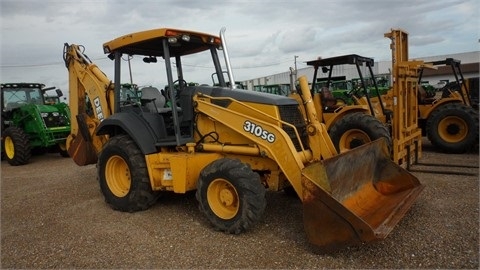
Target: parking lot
x,y
53,216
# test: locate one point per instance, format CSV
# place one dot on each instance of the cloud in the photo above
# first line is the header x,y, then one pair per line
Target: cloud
x,y
297,39
425,40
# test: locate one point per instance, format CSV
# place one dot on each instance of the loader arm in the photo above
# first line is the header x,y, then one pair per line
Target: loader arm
x,y
268,136
91,101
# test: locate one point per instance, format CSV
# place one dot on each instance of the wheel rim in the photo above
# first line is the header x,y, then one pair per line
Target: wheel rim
x,y
353,138
117,175
341,102
452,129
223,199
62,146
9,147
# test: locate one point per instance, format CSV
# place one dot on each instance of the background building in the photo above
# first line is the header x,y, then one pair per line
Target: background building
x,y
470,62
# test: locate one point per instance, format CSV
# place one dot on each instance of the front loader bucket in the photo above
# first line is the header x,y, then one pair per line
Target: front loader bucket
x,y
358,196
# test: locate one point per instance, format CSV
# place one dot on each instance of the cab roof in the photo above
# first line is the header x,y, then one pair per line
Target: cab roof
x,y
149,42
22,85
341,60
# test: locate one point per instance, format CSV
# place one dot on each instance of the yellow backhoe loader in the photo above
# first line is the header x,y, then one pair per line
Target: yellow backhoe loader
x,y
229,145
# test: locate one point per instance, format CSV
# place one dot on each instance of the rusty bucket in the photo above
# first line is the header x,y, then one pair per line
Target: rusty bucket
x,y
355,197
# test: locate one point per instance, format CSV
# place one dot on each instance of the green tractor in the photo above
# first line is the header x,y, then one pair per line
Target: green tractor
x,y
340,88
30,124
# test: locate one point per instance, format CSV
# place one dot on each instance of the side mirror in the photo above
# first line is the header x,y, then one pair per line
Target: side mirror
x,y
150,59
59,92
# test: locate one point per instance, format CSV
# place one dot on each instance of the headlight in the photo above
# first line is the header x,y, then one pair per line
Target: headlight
x,y
55,114
44,114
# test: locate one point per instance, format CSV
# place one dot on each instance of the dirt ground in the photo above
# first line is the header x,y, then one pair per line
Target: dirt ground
x,y
54,216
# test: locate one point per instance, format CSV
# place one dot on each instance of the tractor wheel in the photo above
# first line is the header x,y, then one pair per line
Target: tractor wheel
x,y
2,131
453,128
123,176
62,150
340,102
356,129
16,146
231,195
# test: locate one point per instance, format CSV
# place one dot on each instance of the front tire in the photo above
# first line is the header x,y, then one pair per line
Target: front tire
x,y
16,146
356,129
62,150
231,195
123,176
453,128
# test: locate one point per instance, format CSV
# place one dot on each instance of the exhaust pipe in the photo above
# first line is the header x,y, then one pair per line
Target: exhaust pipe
x,y
227,58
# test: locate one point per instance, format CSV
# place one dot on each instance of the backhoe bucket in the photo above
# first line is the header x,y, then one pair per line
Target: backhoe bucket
x,y
355,197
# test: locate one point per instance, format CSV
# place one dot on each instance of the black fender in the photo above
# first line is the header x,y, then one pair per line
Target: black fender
x,y
145,128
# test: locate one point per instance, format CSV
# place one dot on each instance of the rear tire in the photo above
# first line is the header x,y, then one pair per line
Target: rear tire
x,y
453,128
356,129
231,195
16,146
123,176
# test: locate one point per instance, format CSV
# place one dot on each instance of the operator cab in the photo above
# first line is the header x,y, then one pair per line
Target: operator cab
x,y
164,50
19,94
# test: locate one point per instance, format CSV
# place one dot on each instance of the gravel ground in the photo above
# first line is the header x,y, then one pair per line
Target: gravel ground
x,y
53,216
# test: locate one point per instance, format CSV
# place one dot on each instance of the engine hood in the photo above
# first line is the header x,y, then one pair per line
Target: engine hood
x,y
242,95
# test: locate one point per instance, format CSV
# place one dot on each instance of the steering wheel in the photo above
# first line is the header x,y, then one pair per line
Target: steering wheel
x,y
181,84
129,101
355,91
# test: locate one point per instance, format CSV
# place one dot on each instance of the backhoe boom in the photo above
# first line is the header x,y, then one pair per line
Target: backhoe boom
x,y
90,103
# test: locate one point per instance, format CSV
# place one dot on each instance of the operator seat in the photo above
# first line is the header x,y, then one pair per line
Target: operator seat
x,y
423,97
154,100
329,102
12,105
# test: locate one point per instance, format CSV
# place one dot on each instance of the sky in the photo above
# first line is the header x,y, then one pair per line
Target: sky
x,y
263,37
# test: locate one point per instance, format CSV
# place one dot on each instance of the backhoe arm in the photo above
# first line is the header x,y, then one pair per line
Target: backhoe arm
x,y
90,101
